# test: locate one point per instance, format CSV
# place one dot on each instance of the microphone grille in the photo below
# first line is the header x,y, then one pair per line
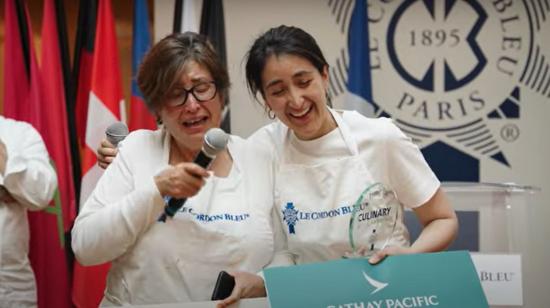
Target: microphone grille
x,y
215,141
116,132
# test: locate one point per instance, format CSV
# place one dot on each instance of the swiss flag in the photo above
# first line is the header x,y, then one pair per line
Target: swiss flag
x,y
105,106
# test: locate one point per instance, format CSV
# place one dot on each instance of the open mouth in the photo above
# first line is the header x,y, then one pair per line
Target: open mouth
x,y
302,113
195,122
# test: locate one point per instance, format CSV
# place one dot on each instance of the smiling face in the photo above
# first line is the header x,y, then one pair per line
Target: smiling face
x,y
296,92
188,123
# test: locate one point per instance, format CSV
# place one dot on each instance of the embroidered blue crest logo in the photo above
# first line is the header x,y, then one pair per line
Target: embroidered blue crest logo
x,y
290,215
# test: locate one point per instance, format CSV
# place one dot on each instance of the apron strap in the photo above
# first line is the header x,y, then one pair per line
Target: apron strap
x,y
345,131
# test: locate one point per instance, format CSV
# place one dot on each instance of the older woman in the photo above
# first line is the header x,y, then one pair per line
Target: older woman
x,y
224,225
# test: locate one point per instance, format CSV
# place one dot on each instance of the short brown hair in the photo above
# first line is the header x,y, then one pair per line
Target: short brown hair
x,y
163,64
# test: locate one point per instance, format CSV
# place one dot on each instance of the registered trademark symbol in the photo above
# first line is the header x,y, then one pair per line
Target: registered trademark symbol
x,y
509,132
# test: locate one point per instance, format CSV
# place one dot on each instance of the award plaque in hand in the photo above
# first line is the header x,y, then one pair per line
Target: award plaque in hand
x,y
373,221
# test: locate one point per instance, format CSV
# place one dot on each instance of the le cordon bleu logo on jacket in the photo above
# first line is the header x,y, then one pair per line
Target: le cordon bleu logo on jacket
x,y
206,218
292,215
452,73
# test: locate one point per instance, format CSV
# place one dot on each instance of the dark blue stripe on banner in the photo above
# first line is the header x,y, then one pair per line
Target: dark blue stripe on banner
x,y
438,129
535,63
451,164
531,41
539,69
542,11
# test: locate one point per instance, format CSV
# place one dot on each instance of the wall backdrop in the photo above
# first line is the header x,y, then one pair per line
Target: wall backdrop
x,y
469,81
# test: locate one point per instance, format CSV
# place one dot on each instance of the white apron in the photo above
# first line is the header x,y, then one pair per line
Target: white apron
x,y
314,202
179,261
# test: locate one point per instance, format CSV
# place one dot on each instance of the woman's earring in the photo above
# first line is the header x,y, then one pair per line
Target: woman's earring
x,y
270,114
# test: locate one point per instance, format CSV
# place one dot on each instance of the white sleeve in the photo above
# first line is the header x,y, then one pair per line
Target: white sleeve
x,y
115,215
410,175
29,176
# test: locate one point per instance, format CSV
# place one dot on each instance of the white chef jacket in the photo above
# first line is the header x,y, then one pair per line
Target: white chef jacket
x,y
318,181
226,226
31,181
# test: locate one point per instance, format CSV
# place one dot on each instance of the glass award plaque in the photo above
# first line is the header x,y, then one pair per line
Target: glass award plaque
x,y
373,221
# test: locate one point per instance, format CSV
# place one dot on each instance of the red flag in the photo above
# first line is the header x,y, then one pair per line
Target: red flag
x,y
105,106
83,58
55,132
21,77
26,100
47,250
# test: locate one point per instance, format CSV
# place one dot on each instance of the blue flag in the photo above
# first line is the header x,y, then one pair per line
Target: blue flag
x,y
140,117
359,74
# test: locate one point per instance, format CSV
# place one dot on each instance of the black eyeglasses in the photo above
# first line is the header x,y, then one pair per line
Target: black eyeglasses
x,y
202,92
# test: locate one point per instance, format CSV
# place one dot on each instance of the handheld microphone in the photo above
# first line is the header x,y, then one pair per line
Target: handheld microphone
x,y
116,132
215,141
